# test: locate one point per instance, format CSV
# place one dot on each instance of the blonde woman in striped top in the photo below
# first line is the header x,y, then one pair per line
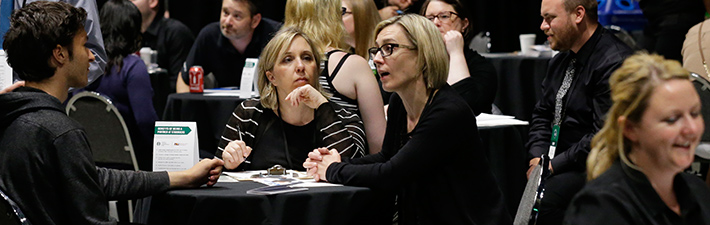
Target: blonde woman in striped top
x,y
293,116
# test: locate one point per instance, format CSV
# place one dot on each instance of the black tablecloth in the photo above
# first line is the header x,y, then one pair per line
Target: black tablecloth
x,y
504,145
228,203
519,80
210,112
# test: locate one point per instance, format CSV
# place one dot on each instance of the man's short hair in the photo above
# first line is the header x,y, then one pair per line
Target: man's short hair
x,y
590,6
35,30
254,6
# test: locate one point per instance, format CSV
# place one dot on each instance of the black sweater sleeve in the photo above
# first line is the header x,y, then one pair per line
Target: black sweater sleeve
x,y
443,127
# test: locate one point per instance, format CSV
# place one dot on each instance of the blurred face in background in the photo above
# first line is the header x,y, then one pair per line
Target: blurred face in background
x,y
144,6
236,22
349,22
445,17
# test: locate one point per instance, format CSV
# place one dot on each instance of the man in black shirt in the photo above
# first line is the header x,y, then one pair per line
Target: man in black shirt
x,y
575,97
222,48
171,38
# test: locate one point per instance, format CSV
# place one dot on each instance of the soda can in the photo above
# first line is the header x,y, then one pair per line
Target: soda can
x,y
197,76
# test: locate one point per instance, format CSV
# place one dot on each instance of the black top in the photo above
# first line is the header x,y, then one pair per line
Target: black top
x,y
46,164
623,195
264,131
656,10
479,90
438,170
587,100
217,55
172,40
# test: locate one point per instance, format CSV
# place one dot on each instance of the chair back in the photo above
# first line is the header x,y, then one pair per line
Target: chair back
x,y
10,213
702,86
529,206
107,132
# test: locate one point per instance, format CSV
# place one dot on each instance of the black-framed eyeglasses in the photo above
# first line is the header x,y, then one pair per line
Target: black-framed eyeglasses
x,y
345,11
386,49
443,17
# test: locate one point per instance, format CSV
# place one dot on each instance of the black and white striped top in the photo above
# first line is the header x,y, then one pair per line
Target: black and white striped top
x,y
264,131
326,81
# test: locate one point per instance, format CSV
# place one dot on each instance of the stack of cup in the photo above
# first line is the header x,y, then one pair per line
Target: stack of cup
x,y
526,44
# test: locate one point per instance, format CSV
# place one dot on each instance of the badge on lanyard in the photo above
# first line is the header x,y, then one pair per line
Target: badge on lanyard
x,y
553,140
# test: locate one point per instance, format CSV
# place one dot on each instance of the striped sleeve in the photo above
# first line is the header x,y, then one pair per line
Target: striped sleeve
x,y
240,125
341,129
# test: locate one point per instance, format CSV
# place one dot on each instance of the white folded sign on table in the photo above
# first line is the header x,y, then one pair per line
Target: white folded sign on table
x,y
175,146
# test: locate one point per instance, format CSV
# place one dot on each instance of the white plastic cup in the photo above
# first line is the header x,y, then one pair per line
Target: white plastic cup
x,y
145,53
526,43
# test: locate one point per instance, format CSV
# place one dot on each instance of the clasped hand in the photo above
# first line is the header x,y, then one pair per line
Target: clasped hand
x,y
319,160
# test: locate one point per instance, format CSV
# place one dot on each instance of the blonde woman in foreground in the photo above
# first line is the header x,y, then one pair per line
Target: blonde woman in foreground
x,y
637,160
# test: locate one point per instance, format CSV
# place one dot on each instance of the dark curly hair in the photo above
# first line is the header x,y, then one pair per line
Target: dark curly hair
x,y
36,30
121,29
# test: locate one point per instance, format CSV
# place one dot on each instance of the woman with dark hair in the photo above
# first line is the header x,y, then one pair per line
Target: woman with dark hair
x,y
126,81
471,75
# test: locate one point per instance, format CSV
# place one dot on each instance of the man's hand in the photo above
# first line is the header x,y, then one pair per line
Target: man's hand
x,y
206,171
12,87
533,162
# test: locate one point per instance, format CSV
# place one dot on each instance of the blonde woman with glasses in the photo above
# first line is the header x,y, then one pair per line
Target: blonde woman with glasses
x,y
432,157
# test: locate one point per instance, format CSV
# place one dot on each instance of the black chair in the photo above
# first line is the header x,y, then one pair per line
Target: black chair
x,y
532,196
700,166
107,133
10,213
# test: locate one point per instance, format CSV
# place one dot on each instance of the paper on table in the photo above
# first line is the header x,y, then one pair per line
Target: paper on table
x,y
223,92
489,120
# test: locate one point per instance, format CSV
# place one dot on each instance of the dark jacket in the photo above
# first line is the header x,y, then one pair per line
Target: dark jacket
x,y
585,105
623,195
46,164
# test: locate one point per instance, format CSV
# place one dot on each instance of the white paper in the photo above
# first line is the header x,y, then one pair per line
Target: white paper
x,y
5,71
489,120
246,86
175,146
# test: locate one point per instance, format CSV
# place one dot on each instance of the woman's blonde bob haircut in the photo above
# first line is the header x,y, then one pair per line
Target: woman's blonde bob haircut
x,y
631,88
319,19
432,58
272,54
365,19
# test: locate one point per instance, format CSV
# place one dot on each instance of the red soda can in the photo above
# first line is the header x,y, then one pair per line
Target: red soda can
x,y
197,83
